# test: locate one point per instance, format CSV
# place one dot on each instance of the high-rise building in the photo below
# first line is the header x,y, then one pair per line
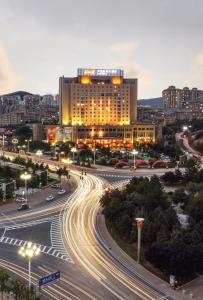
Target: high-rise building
x,y
99,106
183,99
98,97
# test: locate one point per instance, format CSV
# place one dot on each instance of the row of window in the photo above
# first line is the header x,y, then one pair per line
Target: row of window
x,y
114,129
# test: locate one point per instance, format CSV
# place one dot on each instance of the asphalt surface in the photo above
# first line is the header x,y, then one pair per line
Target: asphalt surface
x,y
66,232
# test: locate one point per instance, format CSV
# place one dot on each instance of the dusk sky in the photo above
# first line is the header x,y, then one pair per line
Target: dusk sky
x,y
160,42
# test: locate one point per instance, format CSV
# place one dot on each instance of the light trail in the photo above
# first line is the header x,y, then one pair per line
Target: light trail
x,y
55,291
80,235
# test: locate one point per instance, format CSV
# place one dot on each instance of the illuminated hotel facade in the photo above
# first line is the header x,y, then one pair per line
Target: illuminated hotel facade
x,y
99,106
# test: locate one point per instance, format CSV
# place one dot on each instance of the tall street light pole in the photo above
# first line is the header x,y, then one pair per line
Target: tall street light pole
x,y
25,176
28,145
29,251
140,223
73,150
3,143
94,152
134,152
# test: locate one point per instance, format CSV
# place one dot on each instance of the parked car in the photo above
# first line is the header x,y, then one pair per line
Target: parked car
x,y
61,192
49,198
55,186
23,206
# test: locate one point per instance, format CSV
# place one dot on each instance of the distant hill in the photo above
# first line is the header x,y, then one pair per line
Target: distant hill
x,y
18,93
154,102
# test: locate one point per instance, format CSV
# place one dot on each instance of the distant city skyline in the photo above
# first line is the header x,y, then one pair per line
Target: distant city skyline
x,y
159,42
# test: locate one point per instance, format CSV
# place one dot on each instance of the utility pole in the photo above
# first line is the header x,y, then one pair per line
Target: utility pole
x,y
140,223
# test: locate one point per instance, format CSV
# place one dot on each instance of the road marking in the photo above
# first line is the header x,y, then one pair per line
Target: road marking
x,y
27,224
57,238
46,249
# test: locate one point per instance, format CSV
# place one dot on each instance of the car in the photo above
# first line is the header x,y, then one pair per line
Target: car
x,y
23,206
49,198
61,192
55,186
20,200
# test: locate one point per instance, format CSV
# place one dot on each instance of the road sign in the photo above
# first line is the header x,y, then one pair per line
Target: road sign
x,y
49,279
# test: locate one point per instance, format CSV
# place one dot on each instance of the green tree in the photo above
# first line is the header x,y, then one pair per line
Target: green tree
x,y
179,196
195,207
169,178
4,279
59,172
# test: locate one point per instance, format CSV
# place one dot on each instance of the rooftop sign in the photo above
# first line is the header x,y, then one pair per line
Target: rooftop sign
x,y
100,72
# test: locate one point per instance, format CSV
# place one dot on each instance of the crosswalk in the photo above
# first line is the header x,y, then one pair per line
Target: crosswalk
x,y
52,251
57,248
119,184
117,176
57,238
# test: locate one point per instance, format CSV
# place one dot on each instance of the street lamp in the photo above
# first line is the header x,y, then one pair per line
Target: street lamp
x,y
140,223
134,152
73,150
185,128
14,142
25,176
94,152
29,251
28,144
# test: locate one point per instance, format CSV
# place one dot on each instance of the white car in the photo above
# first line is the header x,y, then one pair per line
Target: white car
x,y
61,192
49,198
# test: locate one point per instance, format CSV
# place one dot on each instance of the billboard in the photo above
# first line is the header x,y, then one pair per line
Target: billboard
x,y
51,135
100,72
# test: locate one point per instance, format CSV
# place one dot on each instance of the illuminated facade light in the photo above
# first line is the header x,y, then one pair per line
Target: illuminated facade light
x,y
107,98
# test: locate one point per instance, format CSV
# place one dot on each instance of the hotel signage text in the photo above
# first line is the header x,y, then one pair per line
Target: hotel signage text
x,y
100,72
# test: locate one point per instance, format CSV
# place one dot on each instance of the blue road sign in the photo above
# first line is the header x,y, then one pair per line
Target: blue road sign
x,y
49,279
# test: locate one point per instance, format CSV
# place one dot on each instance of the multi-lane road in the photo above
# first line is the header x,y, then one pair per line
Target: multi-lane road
x,y
69,238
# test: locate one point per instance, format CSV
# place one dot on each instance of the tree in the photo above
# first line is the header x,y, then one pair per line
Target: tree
x,y
43,178
178,259
178,175
155,181
59,172
179,196
1,195
4,278
195,208
169,178
17,288
162,234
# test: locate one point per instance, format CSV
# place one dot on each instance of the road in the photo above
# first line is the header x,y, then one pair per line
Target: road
x,y
68,235
180,136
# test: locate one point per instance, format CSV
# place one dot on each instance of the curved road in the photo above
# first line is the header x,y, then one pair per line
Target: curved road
x,y
91,270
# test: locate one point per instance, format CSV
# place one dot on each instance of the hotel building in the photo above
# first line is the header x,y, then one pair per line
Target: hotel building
x,y
99,106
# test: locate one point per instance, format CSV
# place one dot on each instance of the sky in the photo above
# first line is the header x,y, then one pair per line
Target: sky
x,y
157,41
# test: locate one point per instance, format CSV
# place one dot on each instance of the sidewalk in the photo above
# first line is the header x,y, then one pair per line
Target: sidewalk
x,y
137,268
194,288
38,197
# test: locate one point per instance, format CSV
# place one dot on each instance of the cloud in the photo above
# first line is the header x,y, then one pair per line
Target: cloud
x,y
124,48
198,59
7,78
126,54
134,70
